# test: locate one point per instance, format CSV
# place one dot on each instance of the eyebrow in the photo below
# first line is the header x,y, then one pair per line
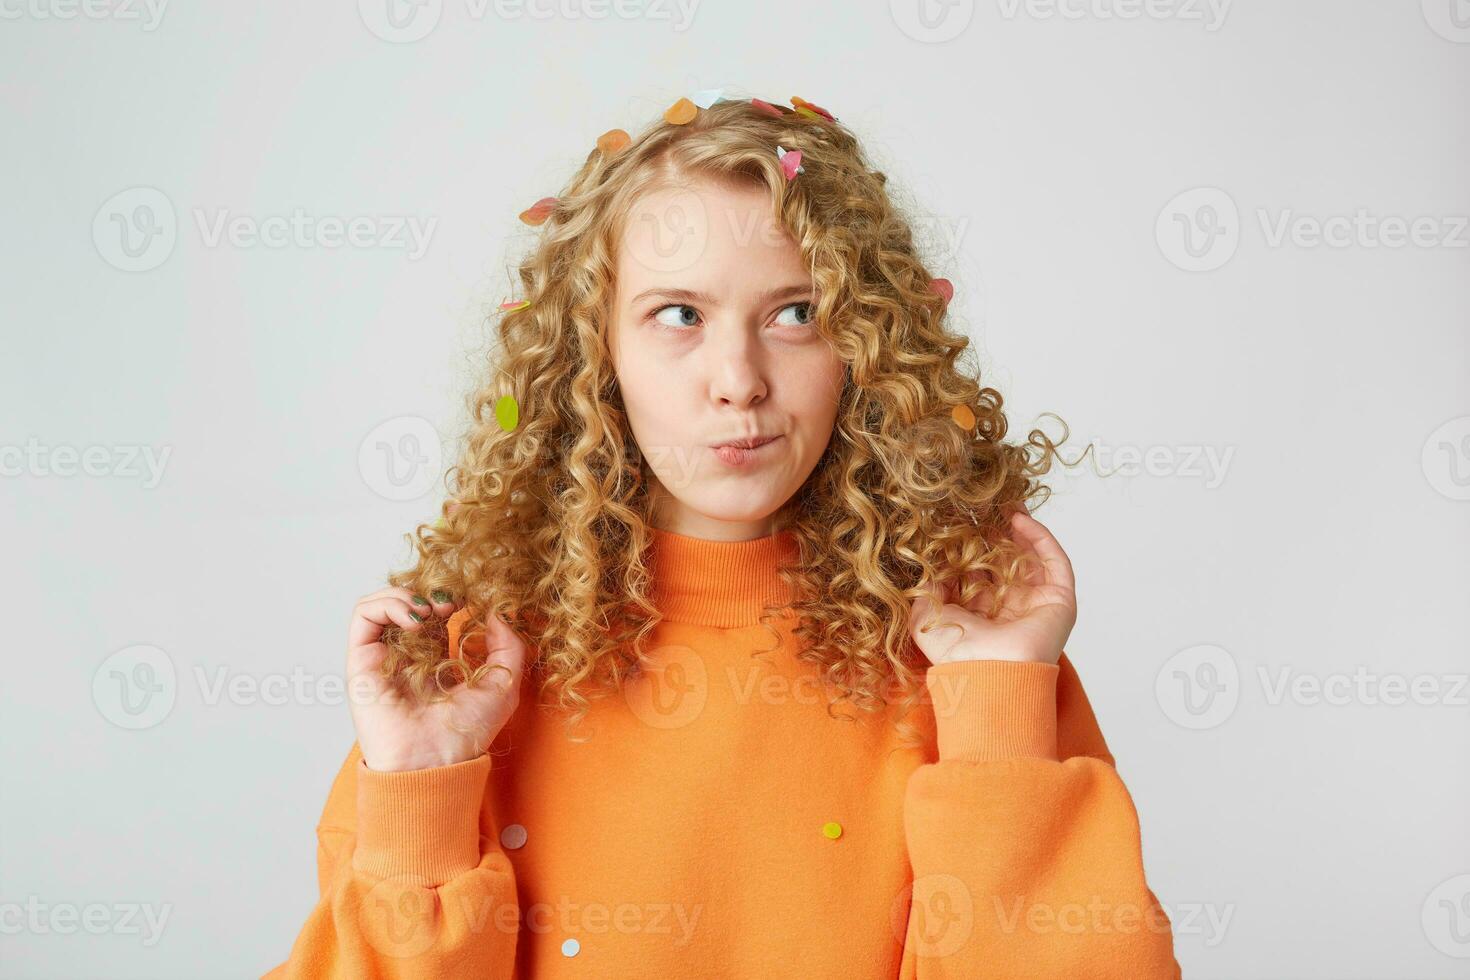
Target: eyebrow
x,y
695,296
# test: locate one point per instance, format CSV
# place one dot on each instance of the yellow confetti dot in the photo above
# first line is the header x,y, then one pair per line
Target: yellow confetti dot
x,y
832,830
811,109
507,413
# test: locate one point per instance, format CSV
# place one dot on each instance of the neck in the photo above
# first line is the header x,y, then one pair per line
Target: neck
x,y
719,583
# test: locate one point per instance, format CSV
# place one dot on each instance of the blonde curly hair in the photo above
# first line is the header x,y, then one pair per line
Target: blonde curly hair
x,y
547,525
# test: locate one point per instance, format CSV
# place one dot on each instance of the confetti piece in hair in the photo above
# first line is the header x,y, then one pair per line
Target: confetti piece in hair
x,y
790,162
706,98
963,417
769,109
512,305
507,413
943,287
811,108
613,140
680,112
440,524
538,213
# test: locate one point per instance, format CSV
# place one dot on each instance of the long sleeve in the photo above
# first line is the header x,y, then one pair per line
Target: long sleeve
x,y
1023,842
408,885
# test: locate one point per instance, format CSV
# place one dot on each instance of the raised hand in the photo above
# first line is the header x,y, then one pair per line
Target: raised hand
x,y
1033,623
395,733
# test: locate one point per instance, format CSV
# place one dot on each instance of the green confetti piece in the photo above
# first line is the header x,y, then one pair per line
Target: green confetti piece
x,y
507,413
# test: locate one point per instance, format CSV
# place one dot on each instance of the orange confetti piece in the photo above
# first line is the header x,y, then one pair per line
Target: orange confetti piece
x,y
538,213
613,140
681,112
811,108
963,417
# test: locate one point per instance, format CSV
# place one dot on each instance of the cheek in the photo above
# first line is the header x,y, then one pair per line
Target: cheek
x,y
818,386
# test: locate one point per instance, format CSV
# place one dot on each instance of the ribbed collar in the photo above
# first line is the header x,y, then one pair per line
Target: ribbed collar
x,y
718,583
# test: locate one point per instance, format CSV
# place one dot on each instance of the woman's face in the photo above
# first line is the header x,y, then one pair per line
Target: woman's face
x,y
713,340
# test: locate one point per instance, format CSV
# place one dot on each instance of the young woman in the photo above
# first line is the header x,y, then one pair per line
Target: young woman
x,y
737,652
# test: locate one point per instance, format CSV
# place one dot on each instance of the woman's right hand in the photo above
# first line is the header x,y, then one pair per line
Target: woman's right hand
x,y
395,733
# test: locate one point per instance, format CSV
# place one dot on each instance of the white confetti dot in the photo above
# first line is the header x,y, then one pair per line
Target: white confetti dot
x,y
513,836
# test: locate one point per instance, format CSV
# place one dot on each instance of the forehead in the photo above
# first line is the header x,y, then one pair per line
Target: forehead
x,y
704,235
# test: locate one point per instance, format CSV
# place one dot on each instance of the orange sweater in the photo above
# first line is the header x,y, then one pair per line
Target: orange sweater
x,y
720,824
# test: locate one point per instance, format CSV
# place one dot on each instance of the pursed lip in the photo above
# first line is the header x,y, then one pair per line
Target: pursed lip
x,y
750,443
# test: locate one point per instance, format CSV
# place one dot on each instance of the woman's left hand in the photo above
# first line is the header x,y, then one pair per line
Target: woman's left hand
x,y
1032,624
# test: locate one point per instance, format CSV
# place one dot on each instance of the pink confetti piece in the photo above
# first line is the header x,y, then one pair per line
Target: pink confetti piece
x,y
790,162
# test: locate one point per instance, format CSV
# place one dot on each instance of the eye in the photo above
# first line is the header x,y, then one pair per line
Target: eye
x,y
805,317
680,322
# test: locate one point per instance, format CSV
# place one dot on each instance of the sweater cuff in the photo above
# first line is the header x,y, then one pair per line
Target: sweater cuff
x,y
420,822
994,709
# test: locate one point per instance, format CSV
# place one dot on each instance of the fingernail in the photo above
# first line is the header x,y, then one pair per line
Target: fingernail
x,y
419,600
415,617
441,596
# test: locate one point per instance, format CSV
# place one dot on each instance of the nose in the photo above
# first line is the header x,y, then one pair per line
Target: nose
x,y
736,367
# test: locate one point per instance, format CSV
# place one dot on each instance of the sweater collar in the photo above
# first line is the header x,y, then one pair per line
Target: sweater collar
x,y
719,583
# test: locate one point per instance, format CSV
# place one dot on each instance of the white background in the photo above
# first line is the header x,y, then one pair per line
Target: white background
x,y
1042,150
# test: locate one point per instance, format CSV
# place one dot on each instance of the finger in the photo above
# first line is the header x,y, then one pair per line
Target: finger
x,y
505,651
371,615
1055,563
440,602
